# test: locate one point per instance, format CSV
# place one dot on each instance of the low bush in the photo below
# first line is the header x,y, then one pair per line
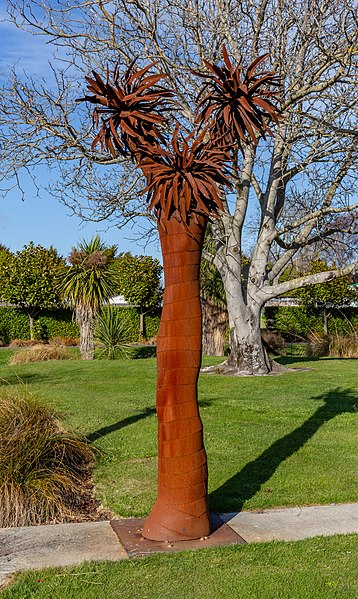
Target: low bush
x,y
298,322
14,324
40,354
137,352
44,471
65,341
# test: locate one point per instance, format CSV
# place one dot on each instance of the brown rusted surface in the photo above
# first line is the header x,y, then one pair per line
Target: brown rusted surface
x,y
237,102
184,176
130,109
129,532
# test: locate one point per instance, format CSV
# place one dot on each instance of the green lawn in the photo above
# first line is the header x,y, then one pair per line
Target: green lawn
x,y
271,441
313,569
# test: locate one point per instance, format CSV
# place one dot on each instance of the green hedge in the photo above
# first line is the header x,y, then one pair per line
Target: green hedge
x,y
300,322
14,324
132,317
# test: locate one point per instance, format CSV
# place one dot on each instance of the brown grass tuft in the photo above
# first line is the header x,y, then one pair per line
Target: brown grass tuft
x,y
334,346
40,354
26,343
344,347
65,341
44,471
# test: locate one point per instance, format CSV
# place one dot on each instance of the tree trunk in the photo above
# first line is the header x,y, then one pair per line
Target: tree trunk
x,y
215,325
325,321
248,355
142,331
247,352
181,509
84,319
31,321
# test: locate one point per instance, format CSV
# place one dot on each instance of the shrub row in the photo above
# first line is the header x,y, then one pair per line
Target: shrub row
x,y
14,324
294,322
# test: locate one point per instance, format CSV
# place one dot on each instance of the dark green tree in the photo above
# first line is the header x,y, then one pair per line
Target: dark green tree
x,y
88,283
140,283
28,279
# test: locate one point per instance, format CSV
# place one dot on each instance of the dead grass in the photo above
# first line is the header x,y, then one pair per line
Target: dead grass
x,y
40,354
344,347
334,346
25,343
44,470
65,341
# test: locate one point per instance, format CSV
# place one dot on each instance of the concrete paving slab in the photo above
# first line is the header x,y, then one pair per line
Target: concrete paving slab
x,y
293,524
34,547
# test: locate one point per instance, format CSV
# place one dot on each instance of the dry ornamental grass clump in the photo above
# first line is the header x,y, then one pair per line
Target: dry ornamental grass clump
x,y
40,354
65,341
26,343
334,346
44,471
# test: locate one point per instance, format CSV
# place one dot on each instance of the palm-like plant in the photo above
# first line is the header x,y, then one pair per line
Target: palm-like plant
x,y
88,283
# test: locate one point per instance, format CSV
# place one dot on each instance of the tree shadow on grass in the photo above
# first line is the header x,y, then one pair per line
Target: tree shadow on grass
x,y
106,430
287,360
232,495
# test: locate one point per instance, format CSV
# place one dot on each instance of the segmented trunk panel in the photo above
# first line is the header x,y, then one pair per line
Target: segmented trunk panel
x,y
181,508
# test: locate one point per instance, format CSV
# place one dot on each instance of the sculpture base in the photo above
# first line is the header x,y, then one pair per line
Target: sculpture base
x,y
165,523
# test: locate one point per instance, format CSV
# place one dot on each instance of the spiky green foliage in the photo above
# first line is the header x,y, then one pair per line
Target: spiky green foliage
x,y
88,283
111,334
90,280
44,470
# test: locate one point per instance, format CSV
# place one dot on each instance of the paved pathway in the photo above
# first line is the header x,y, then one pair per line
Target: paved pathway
x,y
36,547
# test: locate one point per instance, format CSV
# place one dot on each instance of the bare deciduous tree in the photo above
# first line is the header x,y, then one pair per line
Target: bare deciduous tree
x,y
301,180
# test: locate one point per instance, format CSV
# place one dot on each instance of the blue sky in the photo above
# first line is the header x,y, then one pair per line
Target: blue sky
x,y
43,219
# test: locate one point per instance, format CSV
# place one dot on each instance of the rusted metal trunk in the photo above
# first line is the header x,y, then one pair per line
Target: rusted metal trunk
x,y
181,509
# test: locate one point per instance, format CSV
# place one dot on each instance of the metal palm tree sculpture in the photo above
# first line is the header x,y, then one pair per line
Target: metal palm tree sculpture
x,y
184,183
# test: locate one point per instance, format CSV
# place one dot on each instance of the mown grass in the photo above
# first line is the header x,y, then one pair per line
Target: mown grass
x,y
271,441
321,568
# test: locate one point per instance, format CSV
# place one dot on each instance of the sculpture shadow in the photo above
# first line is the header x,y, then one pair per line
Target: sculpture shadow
x,y
106,430
245,484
